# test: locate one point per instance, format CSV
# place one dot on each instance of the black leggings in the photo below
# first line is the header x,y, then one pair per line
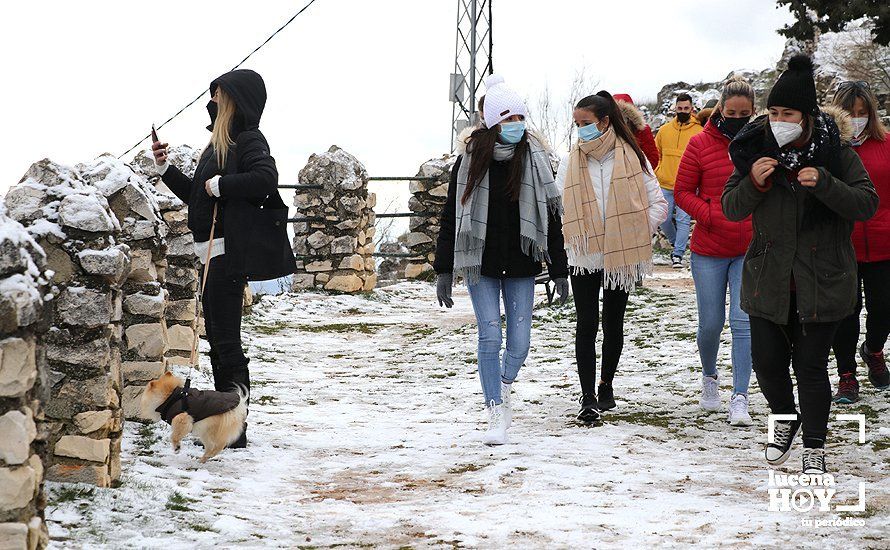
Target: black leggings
x,y
806,347
874,278
222,303
586,289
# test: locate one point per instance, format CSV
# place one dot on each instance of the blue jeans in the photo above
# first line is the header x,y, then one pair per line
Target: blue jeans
x,y
711,276
519,301
679,235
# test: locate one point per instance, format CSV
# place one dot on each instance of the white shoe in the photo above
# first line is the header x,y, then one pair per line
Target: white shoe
x,y
710,394
497,426
814,461
505,400
738,411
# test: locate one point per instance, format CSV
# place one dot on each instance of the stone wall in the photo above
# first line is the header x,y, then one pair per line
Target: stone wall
x,y
426,202
76,227
334,248
23,283
180,276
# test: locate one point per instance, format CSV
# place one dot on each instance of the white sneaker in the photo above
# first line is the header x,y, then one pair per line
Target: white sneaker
x,y
505,400
738,411
497,426
710,394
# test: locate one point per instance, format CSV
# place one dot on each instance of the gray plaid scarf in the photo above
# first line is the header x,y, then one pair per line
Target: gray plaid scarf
x,y
537,194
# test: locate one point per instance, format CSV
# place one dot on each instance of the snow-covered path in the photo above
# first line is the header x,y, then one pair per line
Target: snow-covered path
x,y
365,427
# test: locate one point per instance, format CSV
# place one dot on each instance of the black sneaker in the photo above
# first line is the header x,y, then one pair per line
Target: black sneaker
x,y
606,397
785,432
676,262
813,461
877,367
847,389
588,413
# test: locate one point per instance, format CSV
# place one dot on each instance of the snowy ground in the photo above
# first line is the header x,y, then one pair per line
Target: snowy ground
x,y
365,428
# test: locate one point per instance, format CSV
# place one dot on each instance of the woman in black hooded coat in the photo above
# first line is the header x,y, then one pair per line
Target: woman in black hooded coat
x,y
236,179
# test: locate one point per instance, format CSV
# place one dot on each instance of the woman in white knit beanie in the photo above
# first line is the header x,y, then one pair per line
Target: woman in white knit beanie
x,y
501,220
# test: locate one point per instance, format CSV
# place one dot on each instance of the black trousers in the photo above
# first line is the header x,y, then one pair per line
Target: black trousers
x,y
222,304
874,279
805,346
586,290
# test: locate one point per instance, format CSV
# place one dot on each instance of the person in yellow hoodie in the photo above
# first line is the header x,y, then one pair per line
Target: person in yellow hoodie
x,y
671,141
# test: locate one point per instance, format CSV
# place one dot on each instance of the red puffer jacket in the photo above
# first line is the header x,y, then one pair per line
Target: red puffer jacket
x,y
703,172
871,238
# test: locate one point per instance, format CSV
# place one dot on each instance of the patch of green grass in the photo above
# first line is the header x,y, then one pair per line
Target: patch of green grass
x,y
365,328
641,418
201,528
880,444
420,331
179,503
266,400
147,438
69,493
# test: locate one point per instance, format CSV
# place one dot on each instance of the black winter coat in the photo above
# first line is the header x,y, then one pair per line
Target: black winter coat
x,y
252,215
199,404
801,234
503,257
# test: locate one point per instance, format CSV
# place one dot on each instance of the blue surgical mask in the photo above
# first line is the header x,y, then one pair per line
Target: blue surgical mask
x,y
512,132
589,132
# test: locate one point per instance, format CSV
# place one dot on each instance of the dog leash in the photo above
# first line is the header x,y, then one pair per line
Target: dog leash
x,y
193,360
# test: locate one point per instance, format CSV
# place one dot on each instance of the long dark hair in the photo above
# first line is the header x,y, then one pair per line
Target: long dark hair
x,y
481,145
602,104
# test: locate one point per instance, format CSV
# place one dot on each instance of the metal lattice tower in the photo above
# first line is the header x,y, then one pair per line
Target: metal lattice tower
x,y
472,61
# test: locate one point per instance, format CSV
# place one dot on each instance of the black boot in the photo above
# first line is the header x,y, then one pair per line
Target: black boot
x,y
589,411
606,399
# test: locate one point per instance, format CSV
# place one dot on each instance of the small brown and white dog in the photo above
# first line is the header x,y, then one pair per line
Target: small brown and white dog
x,y
217,418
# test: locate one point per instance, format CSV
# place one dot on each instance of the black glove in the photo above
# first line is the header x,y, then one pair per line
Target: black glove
x,y
562,289
443,289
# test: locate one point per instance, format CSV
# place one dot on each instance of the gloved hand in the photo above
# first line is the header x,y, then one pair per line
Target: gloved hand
x,y
562,289
443,289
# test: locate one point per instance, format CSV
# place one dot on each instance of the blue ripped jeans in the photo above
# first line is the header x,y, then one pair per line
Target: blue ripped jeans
x,y
519,301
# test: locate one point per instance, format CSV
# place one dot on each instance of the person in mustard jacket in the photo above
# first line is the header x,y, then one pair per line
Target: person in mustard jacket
x,y
671,141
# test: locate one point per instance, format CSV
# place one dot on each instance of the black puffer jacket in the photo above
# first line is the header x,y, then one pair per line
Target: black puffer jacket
x,y
199,404
503,257
252,215
801,235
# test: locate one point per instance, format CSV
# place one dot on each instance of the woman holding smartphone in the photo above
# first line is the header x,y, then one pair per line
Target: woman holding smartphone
x,y
234,197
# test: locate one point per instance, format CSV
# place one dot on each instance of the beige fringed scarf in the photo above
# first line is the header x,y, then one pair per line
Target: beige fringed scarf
x,y
622,245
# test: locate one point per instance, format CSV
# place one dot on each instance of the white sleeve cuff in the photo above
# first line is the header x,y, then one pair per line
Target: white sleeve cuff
x,y
162,168
214,186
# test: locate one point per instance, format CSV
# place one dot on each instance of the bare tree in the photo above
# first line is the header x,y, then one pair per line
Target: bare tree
x,y
862,58
553,116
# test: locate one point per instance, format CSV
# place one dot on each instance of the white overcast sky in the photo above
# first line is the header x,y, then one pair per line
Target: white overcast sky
x,y
371,76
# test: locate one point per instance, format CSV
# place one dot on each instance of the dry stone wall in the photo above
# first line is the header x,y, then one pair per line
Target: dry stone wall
x,y
76,227
426,203
23,285
334,247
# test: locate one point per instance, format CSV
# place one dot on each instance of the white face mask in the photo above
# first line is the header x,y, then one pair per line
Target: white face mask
x,y
859,124
785,132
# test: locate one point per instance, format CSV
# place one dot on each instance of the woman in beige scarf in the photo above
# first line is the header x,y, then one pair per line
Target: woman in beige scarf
x,y
613,205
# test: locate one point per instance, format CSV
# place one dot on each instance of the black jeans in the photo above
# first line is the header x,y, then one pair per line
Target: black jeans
x,y
806,347
874,278
222,303
586,289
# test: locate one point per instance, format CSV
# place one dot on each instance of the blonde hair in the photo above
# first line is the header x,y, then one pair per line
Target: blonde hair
x,y
221,138
735,86
846,97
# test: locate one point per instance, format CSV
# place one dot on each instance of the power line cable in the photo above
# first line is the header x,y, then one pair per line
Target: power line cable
x,y
248,56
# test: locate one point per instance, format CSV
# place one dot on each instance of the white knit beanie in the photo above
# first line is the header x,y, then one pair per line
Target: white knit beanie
x,y
501,102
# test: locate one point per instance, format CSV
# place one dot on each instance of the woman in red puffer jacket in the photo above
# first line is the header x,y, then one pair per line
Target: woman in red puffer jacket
x,y
718,247
871,239
641,130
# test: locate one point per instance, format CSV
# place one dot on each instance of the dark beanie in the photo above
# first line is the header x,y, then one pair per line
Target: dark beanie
x,y
795,88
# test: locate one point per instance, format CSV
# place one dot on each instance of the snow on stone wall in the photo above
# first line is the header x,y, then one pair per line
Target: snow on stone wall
x,y
334,253
23,285
426,202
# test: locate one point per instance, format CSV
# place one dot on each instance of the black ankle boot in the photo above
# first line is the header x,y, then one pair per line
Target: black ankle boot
x,y
606,399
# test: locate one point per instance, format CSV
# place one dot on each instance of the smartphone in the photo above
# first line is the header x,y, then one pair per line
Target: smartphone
x,y
154,134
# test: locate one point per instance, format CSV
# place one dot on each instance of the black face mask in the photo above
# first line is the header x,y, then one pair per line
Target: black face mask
x,y
212,110
683,118
729,127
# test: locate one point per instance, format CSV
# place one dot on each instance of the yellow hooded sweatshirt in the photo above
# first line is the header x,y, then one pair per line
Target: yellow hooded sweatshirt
x,y
671,141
